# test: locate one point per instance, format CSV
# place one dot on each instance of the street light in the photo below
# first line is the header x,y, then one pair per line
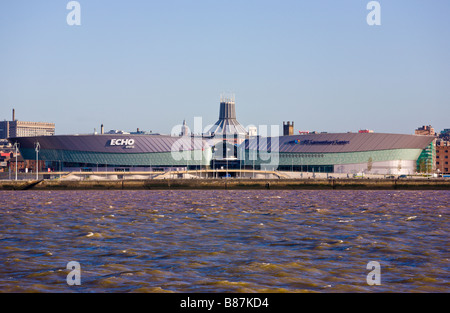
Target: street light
x,y
37,148
253,162
226,158
16,146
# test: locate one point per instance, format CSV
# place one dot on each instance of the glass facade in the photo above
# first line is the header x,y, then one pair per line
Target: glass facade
x,y
249,159
324,162
425,161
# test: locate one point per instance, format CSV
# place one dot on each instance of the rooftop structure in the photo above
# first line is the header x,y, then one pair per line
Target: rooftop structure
x,y
425,131
184,129
227,123
288,128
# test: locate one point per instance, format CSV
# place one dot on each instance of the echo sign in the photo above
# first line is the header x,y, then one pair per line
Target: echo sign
x,y
122,142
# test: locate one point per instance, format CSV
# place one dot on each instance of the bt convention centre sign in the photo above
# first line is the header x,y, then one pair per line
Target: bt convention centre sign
x,y
321,142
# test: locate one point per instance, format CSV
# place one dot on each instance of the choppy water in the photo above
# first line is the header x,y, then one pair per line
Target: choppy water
x,y
224,241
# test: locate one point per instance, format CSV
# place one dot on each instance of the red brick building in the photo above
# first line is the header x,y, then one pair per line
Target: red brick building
x,y
25,166
4,158
443,156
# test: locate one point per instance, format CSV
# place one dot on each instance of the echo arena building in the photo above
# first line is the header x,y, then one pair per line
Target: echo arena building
x,y
229,144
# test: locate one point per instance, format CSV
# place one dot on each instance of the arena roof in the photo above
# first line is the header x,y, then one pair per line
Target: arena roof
x,y
340,142
103,143
311,143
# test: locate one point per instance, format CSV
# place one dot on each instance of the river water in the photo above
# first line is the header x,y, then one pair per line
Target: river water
x,y
225,241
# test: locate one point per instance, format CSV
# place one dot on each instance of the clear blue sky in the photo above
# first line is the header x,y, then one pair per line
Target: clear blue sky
x,y
151,64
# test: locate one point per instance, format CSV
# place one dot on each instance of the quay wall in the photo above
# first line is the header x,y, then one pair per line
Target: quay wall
x,y
280,184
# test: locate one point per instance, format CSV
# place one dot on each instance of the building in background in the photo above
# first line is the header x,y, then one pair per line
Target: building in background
x,y
15,128
425,131
184,129
20,129
443,157
252,131
288,128
445,134
442,152
26,166
30,129
4,158
4,130
227,125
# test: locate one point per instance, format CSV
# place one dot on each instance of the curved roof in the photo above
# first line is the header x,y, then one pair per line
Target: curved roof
x,y
108,143
340,142
228,126
312,143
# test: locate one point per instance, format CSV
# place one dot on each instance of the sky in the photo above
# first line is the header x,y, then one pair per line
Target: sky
x,y
152,64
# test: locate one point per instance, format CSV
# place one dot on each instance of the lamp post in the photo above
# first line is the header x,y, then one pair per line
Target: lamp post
x,y
187,162
37,148
253,167
227,163
16,147
240,169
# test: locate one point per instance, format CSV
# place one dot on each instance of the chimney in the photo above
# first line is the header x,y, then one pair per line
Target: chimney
x,y
14,115
102,129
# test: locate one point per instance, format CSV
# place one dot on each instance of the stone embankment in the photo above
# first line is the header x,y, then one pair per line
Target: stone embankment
x,y
280,184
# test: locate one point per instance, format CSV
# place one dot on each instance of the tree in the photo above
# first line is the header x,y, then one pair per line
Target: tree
x,y
422,166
